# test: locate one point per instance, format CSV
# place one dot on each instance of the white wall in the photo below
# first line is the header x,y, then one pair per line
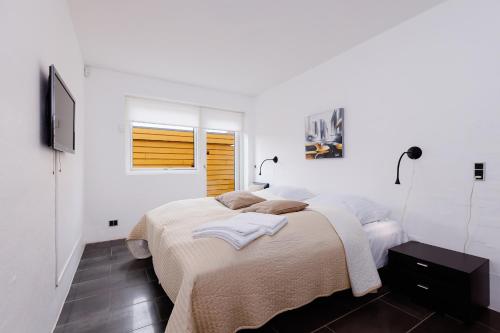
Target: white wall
x,y
34,34
111,193
433,81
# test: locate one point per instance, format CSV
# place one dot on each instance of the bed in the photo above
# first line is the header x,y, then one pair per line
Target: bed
x,y
383,235
218,289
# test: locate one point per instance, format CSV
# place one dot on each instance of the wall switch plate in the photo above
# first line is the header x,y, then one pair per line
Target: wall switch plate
x,y
113,223
479,171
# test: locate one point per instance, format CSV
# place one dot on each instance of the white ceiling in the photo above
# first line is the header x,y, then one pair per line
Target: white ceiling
x,y
244,46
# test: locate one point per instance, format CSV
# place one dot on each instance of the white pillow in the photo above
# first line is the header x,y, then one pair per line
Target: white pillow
x,y
255,187
266,194
364,209
291,192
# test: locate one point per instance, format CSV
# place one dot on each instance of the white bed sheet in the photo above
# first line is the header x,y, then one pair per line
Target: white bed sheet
x,y
382,236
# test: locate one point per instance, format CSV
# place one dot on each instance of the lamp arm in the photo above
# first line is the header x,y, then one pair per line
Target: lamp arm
x,y
399,163
260,169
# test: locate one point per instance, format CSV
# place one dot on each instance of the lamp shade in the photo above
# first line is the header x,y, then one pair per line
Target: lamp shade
x,y
414,153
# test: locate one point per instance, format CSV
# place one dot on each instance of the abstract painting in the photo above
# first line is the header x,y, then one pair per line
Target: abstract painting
x,y
325,135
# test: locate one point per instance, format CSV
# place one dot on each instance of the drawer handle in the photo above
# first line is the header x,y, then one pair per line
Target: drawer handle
x,y
421,264
423,287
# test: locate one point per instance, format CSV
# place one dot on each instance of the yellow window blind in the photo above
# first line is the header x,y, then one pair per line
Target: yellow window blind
x,y
220,163
163,148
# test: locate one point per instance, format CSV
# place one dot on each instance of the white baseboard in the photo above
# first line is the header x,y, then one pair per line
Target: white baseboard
x,y
70,258
66,278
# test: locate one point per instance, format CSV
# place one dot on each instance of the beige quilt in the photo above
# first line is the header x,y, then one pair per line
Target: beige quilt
x,y
218,289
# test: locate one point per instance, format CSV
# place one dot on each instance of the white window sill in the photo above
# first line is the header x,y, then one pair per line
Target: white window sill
x,y
145,172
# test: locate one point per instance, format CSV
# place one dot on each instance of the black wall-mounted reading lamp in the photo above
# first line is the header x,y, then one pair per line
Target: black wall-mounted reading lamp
x,y
414,153
274,159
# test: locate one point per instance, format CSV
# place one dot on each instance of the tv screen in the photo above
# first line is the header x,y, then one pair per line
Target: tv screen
x,y
62,114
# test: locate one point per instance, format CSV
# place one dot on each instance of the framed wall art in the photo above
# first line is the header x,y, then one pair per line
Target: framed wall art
x,y
324,134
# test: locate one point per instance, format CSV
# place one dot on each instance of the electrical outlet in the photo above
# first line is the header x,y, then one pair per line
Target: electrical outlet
x,y
113,223
479,171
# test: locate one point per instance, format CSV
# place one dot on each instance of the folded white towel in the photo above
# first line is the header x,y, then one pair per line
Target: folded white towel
x,y
270,223
237,240
241,229
233,224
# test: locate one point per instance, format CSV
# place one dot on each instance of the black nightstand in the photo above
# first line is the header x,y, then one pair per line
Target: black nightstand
x,y
449,281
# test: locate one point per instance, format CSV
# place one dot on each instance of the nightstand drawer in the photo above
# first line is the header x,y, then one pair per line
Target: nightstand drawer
x,y
424,268
441,299
423,291
424,285
446,296
428,277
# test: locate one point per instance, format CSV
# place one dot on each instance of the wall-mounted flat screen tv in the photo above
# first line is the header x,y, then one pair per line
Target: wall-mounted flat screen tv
x,y
62,114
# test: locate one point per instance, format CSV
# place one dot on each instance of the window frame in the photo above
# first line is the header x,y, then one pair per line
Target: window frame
x,y
161,170
237,155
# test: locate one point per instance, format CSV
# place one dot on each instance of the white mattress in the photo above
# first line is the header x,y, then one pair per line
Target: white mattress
x,y
382,236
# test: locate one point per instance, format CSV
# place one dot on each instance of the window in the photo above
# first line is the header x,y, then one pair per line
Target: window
x,y
170,137
162,135
163,147
220,162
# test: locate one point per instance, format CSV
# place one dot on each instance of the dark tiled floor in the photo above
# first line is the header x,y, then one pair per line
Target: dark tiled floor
x,y
113,292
